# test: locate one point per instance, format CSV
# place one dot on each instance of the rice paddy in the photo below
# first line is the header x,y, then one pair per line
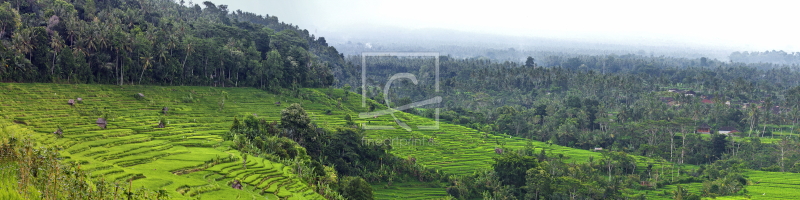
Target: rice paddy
x,y
189,159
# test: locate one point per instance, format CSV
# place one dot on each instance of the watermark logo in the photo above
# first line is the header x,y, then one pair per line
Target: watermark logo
x,y
387,88
399,142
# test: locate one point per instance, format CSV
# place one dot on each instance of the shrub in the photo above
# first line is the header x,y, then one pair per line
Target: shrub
x,y
188,99
355,188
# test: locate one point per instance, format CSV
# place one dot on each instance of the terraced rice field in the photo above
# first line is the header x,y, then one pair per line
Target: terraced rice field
x,y
764,140
665,192
187,158
762,185
773,185
407,190
133,148
461,150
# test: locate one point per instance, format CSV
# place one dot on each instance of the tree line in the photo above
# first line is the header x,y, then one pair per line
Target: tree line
x,y
628,107
777,57
158,42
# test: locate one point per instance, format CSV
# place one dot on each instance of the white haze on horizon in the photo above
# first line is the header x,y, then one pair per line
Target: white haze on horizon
x,y
735,25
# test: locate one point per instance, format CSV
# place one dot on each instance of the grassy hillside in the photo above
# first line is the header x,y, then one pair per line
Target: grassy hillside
x,y
188,158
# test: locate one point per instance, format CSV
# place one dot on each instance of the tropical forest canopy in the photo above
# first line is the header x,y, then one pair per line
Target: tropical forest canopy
x,y
157,42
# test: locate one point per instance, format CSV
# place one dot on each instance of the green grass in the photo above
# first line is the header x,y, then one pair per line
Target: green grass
x,y
9,184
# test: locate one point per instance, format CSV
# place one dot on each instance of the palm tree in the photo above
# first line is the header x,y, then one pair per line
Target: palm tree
x,y
22,41
144,67
753,113
126,45
189,50
73,29
56,43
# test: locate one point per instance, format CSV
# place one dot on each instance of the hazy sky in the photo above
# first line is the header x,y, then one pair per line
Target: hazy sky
x,y
746,25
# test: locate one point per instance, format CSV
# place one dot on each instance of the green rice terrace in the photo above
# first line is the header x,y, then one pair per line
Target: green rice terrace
x,y
189,159
186,158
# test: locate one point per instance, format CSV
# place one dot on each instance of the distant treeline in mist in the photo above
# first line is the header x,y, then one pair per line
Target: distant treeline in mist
x,y
499,54
777,57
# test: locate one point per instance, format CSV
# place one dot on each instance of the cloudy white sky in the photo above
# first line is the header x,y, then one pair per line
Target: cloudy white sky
x,y
746,25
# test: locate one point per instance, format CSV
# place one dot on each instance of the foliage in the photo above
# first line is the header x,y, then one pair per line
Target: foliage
x,y
356,188
158,42
511,168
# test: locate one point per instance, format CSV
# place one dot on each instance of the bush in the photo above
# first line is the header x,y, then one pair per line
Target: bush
x,y
188,99
767,133
355,188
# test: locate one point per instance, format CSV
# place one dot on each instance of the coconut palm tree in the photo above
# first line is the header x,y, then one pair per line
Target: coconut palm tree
x,y
22,41
189,50
56,43
144,67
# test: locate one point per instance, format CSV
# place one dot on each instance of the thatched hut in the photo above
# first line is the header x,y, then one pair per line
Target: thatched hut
x,y
101,123
59,132
498,150
236,185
